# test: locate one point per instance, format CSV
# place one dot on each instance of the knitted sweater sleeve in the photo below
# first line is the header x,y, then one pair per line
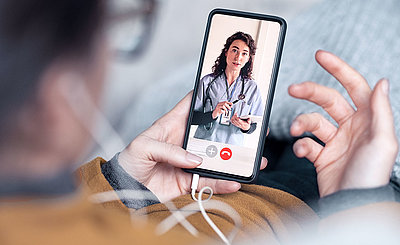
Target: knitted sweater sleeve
x,y
120,180
347,199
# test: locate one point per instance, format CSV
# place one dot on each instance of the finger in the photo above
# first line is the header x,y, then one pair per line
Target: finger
x,y
314,123
182,108
228,105
233,118
172,122
217,113
329,99
235,123
354,83
239,123
382,116
307,148
224,103
219,186
169,153
264,163
220,111
224,108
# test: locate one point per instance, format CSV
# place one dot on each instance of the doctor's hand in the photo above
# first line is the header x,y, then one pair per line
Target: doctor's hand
x,y
361,150
221,108
240,123
155,158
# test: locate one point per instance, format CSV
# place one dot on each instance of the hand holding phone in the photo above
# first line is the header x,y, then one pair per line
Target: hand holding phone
x,y
156,156
233,93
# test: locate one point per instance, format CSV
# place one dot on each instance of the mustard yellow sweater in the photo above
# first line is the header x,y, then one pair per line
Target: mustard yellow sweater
x,y
73,219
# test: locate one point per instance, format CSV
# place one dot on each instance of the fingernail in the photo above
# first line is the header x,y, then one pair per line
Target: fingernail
x,y
294,87
298,149
385,86
237,185
192,158
295,124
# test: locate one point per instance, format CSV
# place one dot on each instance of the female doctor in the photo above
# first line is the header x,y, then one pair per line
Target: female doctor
x,y
226,97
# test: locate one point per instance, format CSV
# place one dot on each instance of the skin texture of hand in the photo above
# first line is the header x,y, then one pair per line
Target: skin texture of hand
x,y
155,158
361,150
222,107
240,123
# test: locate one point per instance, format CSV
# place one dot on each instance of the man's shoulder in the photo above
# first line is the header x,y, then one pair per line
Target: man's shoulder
x,y
74,218
91,170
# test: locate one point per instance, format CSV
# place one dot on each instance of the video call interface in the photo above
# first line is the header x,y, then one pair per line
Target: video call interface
x,y
232,93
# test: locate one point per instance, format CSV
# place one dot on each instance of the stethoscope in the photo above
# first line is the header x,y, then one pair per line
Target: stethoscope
x,y
207,98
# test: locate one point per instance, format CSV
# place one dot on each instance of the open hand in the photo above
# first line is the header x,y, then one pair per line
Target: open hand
x,y
361,151
155,157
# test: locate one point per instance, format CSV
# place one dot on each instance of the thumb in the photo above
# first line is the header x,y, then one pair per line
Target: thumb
x,y
383,131
382,116
172,154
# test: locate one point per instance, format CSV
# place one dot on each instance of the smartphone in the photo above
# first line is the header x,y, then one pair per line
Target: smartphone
x,y
233,93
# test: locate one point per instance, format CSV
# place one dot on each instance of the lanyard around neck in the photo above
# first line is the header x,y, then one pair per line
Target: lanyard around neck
x,y
229,97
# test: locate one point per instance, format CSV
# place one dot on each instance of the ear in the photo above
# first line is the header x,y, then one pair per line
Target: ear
x,y
46,121
45,99
64,128
52,84
57,88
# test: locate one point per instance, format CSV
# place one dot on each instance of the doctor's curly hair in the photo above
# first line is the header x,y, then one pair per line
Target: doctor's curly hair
x,y
220,63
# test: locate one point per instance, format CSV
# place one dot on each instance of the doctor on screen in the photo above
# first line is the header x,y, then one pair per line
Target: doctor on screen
x,y
227,97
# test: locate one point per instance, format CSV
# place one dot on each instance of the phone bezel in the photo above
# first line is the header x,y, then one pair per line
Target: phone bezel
x,y
274,76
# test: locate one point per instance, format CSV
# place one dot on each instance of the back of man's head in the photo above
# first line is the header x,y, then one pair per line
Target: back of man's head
x,y
33,34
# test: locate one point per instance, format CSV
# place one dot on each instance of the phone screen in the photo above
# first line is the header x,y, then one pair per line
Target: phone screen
x,y
233,93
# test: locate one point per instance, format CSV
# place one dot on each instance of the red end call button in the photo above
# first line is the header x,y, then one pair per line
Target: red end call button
x,y
225,153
